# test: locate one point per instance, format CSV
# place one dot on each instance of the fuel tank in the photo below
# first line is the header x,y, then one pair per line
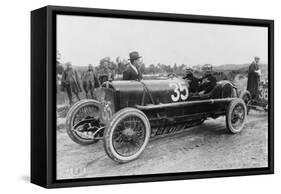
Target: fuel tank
x,y
145,92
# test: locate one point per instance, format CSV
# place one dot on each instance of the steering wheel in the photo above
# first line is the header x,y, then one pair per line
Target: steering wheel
x,y
172,75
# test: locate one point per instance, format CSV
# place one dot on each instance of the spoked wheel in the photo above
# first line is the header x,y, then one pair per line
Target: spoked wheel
x,y
127,135
236,115
82,122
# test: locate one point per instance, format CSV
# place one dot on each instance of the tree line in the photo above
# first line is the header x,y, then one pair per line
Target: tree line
x,y
119,65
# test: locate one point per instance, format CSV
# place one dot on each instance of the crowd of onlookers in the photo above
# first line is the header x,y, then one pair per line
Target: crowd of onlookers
x,y
73,83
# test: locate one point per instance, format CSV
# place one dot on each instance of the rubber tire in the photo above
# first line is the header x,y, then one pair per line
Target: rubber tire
x,y
231,106
117,117
69,120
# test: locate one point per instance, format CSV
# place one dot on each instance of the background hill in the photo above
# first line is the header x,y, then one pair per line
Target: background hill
x,y
232,70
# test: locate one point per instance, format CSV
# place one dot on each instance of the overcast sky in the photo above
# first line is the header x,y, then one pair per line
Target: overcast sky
x,y
83,40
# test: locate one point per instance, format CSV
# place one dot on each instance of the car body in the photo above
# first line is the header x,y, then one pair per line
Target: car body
x,y
261,101
136,111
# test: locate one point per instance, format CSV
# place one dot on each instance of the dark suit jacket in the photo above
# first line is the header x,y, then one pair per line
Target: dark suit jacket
x,y
209,85
193,82
131,74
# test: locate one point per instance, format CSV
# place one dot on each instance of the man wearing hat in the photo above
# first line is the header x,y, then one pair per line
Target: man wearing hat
x,y
70,82
192,81
208,80
133,70
90,81
254,74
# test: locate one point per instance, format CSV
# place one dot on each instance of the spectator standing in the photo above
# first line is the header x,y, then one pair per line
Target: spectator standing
x,y
90,82
70,82
254,74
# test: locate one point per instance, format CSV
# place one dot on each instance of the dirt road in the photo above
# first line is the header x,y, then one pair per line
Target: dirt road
x,y
205,147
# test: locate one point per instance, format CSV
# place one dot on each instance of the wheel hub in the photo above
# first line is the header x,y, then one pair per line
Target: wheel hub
x,y
129,132
238,115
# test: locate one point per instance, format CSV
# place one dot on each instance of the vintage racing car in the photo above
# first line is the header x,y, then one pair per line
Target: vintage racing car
x,y
127,114
261,101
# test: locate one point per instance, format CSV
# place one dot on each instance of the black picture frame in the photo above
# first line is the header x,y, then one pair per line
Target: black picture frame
x,y
43,95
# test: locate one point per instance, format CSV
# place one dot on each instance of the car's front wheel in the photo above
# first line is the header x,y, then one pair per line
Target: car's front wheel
x,y
236,115
126,135
82,121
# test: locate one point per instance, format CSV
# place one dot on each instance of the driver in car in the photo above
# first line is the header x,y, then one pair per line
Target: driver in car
x,y
208,81
192,81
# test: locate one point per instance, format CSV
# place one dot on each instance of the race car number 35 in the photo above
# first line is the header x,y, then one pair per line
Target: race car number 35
x,y
180,91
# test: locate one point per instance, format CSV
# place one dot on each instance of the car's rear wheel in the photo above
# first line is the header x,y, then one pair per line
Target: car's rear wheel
x,y
236,115
82,122
246,97
126,135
